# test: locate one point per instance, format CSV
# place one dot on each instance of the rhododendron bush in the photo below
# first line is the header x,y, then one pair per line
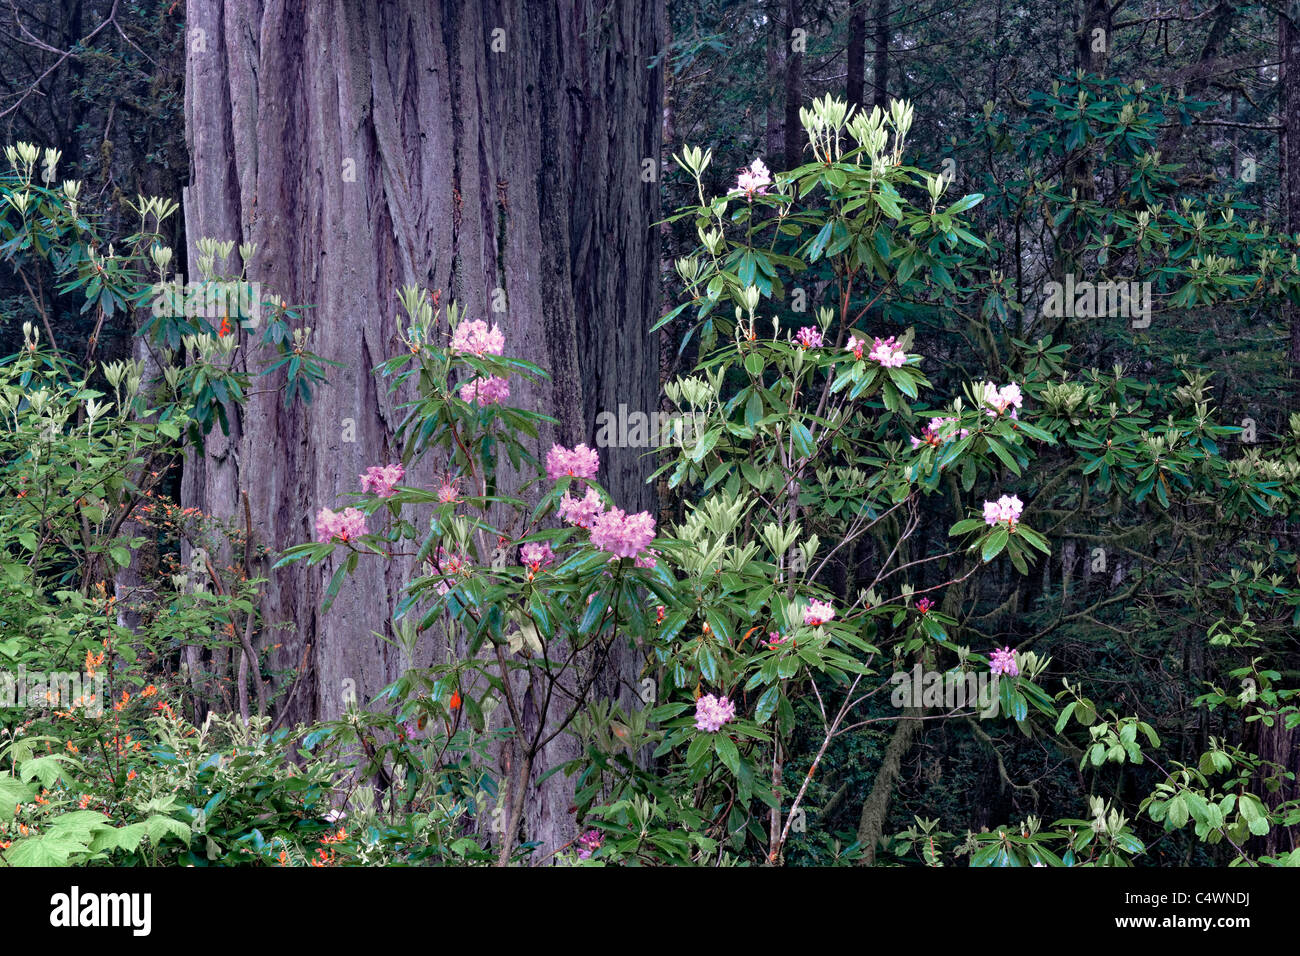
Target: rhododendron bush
x,y
803,448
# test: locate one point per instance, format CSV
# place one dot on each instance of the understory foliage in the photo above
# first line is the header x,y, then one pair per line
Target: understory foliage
x,y
849,504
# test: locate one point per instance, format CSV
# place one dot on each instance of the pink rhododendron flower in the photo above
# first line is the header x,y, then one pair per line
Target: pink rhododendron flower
x,y
1003,661
809,337
581,462
712,712
939,431
1001,399
581,511
924,605
535,554
486,391
1007,508
448,564
817,613
856,345
623,534
774,639
589,843
647,559
887,353
476,338
346,524
754,179
380,481
449,491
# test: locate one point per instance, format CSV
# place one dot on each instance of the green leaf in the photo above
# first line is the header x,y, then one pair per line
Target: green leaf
x,y
119,838
803,440
594,613
701,746
727,753
994,543
159,826
14,792
46,850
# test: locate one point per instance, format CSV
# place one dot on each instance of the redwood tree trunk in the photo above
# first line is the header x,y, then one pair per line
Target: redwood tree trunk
x,y
364,146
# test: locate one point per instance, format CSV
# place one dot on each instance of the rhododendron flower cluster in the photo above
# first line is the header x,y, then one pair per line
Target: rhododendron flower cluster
x,y
449,491
809,337
817,613
535,554
711,713
476,338
345,525
615,531
492,390
1000,399
887,353
1007,508
622,534
924,605
938,432
589,843
754,179
581,511
581,462
1003,661
856,345
381,481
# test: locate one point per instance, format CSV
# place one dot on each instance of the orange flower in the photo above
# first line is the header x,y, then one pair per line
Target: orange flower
x,y
455,700
130,775
93,661
123,702
149,691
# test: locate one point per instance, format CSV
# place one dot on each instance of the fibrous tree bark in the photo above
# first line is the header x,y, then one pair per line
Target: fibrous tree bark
x,y
495,151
